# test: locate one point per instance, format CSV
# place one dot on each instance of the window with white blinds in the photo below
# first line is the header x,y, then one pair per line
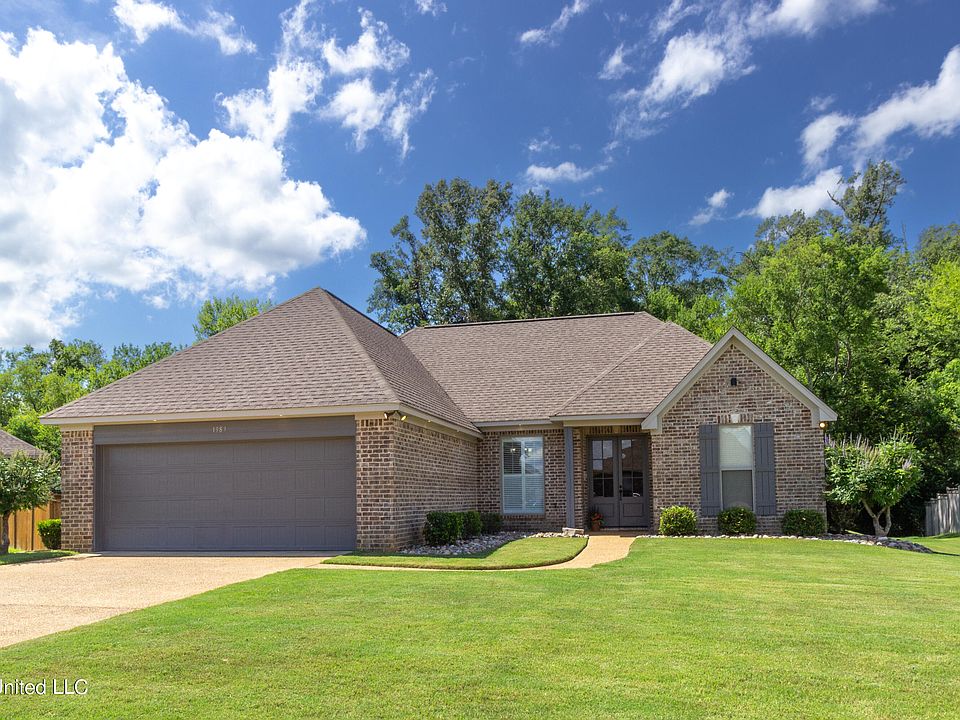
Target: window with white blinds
x,y
522,475
736,466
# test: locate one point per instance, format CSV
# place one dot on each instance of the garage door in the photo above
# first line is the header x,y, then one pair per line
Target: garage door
x,y
291,494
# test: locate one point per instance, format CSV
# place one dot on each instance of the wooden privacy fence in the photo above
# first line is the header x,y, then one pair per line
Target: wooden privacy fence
x,y
23,525
943,513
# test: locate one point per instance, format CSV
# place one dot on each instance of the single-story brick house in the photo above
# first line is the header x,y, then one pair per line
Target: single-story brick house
x,y
313,427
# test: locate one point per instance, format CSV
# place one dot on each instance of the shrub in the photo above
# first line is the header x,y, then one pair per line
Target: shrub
x,y
678,520
49,531
804,522
492,522
442,528
472,524
737,521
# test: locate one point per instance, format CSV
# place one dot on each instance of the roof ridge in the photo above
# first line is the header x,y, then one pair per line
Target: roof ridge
x,y
524,320
355,341
614,366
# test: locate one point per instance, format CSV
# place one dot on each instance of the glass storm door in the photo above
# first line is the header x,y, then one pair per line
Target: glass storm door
x,y
619,486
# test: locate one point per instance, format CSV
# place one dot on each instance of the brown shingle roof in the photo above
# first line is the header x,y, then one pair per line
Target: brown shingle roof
x,y
9,444
526,370
315,351
642,377
311,351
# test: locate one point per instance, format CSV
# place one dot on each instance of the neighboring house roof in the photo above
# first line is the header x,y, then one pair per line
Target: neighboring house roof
x,y
527,370
641,378
819,410
9,444
311,353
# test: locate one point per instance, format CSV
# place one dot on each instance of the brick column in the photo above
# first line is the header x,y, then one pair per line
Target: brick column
x,y
76,482
376,484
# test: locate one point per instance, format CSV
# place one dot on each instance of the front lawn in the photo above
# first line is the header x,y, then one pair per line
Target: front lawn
x,y
692,628
21,556
525,553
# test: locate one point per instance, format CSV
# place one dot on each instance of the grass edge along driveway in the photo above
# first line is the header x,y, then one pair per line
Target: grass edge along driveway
x,y
680,629
524,553
22,556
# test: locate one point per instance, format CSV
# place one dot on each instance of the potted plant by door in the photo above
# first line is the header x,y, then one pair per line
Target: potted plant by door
x,y
596,520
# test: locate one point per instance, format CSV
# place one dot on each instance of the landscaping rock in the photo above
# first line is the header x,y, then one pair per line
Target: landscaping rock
x,y
470,546
856,539
483,543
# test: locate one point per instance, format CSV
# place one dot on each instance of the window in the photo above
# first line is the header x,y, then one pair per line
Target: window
x,y
736,466
522,467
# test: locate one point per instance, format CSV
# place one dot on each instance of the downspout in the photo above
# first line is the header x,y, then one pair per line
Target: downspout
x,y
568,453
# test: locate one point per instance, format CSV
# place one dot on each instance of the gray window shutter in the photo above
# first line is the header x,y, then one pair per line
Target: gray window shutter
x,y
709,469
765,473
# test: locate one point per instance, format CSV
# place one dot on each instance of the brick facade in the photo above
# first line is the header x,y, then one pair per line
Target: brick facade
x,y
757,397
404,471
76,484
554,479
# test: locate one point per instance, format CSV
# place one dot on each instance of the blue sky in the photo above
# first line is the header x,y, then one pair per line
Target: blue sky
x,y
160,152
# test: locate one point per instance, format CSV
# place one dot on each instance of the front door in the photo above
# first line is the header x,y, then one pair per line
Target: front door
x,y
619,482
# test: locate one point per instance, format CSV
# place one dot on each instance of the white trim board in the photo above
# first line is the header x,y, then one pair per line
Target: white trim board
x,y
819,410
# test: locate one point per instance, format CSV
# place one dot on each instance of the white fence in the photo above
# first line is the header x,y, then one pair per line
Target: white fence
x,y
943,513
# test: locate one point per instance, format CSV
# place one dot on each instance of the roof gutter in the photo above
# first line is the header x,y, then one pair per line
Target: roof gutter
x,y
253,414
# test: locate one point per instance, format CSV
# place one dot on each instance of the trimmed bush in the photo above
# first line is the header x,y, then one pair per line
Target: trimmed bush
x,y
49,531
737,521
678,520
807,523
442,528
492,522
472,523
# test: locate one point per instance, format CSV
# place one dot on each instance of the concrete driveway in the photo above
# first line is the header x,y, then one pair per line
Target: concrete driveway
x,y
43,597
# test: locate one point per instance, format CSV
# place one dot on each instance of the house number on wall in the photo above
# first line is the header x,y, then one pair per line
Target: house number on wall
x,y
219,428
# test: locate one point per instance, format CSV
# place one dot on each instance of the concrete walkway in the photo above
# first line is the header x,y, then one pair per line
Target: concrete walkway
x,y
602,547
47,596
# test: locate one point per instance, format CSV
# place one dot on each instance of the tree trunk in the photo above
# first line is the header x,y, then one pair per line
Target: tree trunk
x,y
877,524
5,534
888,523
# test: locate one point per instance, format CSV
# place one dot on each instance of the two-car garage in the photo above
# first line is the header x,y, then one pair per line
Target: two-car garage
x,y
273,485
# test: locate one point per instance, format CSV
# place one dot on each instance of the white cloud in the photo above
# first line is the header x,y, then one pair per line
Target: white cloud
x,y
693,64
696,62
670,16
549,34
715,203
103,189
565,172
616,65
928,110
431,7
144,17
820,103
375,49
806,17
307,60
360,108
808,198
223,28
819,136
542,143
412,102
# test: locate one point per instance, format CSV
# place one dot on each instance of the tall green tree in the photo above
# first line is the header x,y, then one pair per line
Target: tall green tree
x,y
564,260
217,314
449,271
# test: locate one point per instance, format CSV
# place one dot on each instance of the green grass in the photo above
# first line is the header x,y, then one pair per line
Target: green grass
x,y
22,556
948,543
680,629
525,553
